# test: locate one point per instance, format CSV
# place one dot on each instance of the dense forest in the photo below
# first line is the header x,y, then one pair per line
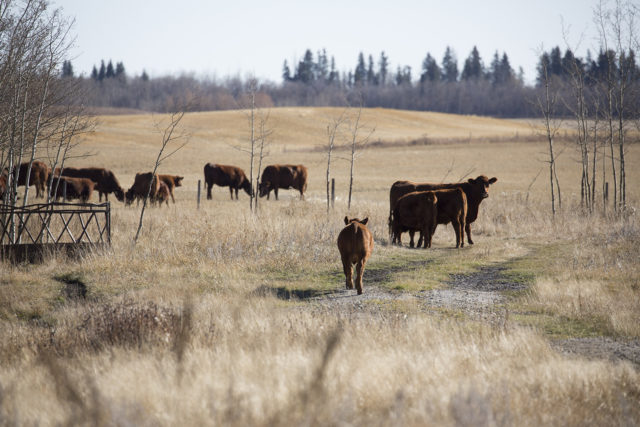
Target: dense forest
x,y
472,87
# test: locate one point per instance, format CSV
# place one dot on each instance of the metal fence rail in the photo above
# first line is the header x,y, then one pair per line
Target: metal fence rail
x,y
54,225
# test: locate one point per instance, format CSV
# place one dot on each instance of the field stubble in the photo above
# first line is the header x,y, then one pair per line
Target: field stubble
x,y
183,327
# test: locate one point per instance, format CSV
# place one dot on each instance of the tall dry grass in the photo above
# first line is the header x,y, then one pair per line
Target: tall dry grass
x,y
179,328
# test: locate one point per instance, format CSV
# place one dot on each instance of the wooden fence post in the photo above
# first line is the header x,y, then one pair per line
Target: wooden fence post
x,y
199,183
333,192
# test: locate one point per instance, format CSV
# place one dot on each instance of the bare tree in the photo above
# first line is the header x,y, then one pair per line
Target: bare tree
x,y
356,142
173,139
547,106
332,131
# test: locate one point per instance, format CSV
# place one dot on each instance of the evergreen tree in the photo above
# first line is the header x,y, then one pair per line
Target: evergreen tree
x,y
403,76
371,74
305,71
473,68
94,73
144,77
543,63
360,72
102,71
383,69
555,65
506,72
67,69
286,72
334,76
449,66
322,67
110,71
120,73
430,70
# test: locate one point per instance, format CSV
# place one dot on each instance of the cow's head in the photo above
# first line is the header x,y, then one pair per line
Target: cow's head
x,y
119,193
246,186
481,185
178,180
348,221
264,188
128,197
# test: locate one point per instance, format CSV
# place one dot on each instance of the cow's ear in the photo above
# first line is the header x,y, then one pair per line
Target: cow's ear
x,y
346,220
492,180
365,221
471,181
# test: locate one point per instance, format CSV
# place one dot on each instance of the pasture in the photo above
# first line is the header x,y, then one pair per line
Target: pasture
x,y
222,316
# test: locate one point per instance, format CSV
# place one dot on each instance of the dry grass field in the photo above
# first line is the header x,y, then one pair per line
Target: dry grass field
x,y
223,317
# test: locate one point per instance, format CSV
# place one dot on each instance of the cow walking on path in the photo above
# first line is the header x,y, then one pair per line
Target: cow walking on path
x,y
355,244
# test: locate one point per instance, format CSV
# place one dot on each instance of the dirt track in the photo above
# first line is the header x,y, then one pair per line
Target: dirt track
x,y
478,295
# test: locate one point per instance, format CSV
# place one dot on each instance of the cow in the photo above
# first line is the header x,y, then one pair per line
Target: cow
x,y
283,176
106,181
38,176
475,191
415,211
140,188
451,207
162,196
172,181
73,188
226,176
355,244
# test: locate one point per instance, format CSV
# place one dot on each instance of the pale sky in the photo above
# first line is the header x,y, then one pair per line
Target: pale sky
x,y
249,37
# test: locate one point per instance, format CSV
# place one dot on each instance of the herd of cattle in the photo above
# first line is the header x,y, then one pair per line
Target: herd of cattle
x,y
413,207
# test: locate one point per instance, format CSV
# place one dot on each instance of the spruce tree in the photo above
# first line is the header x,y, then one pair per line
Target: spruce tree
x,y
361,71
286,72
102,71
94,73
371,74
473,68
449,66
430,70
110,73
383,69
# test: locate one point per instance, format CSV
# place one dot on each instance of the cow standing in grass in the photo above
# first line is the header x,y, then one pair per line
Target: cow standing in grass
x,y
283,176
355,243
106,181
73,188
39,175
226,176
415,212
171,181
140,188
475,190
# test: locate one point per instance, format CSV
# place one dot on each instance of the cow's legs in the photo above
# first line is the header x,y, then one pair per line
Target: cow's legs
x,y
275,190
231,192
348,272
236,193
411,234
467,228
172,199
458,228
209,197
360,272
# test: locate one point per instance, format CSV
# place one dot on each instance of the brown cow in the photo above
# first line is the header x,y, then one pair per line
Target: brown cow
x,y
226,176
415,211
106,181
38,176
451,207
140,188
474,189
172,181
283,176
355,244
73,188
162,196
